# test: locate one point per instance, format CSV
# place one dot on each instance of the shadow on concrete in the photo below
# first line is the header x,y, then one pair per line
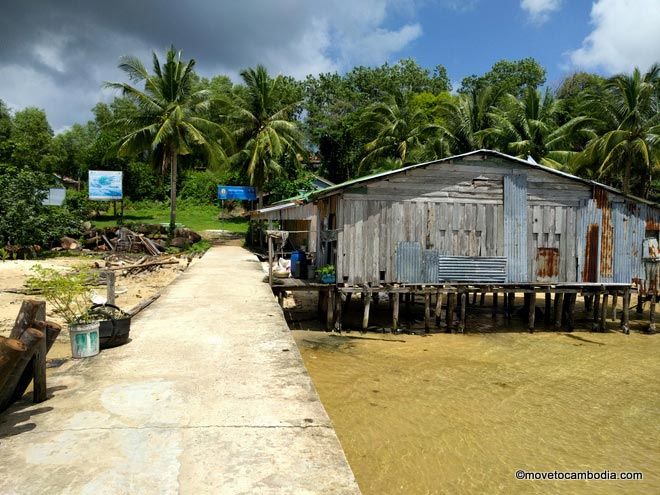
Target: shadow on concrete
x,y
15,420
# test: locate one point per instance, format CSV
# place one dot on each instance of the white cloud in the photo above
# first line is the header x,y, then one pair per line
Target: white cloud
x,y
57,57
540,10
626,34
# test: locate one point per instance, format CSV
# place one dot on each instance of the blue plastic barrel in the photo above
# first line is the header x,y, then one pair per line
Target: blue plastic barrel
x,y
298,264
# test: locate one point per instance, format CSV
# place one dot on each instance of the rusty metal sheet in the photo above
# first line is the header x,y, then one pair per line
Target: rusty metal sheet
x,y
588,241
547,264
515,227
408,262
606,235
478,269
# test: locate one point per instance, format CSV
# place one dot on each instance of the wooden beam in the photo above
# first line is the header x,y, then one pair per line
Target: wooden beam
x,y
427,313
602,320
451,307
615,302
652,314
365,316
596,313
461,322
110,286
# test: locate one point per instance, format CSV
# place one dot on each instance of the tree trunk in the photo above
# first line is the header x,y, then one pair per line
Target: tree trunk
x,y
173,171
626,177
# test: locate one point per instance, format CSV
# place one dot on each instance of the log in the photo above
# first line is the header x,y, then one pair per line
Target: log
x,y
31,339
33,369
10,352
69,243
110,290
144,265
143,305
30,311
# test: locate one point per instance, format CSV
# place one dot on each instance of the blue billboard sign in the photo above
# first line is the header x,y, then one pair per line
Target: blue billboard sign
x,y
244,193
105,185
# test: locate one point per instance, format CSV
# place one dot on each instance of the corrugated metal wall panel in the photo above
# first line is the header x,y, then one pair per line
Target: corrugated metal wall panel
x,y
515,227
430,265
408,262
623,239
472,269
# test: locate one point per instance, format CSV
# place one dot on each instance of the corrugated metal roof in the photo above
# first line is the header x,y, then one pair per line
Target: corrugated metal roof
x,y
339,187
482,269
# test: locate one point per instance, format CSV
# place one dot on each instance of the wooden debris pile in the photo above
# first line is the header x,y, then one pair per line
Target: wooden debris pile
x,y
150,239
129,266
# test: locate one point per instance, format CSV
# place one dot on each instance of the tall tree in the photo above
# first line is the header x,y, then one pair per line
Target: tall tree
x,y
627,117
263,128
31,137
399,130
529,127
507,76
167,121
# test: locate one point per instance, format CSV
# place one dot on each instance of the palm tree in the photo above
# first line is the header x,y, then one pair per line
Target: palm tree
x,y
465,117
627,116
167,121
402,133
263,128
528,127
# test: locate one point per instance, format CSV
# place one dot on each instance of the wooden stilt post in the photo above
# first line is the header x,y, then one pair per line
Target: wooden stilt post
x,y
495,303
338,312
395,312
559,309
474,298
652,313
110,286
39,389
531,311
461,322
330,310
365,317
640,303
347,302
427,312
374,299
482,299
438,308
615,302
390,298
280,298
602,323
451,307
625,312
270,260
588,302
512,301
570,310
548,307
596,312
408,306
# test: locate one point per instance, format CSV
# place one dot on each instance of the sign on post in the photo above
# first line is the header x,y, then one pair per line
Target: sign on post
x,y
105,185
243,193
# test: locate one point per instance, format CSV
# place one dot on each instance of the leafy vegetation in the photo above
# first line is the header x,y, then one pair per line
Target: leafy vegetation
x,y
275,133
66,292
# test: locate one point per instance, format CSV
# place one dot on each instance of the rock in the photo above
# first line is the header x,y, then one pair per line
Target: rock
x,y
87,225
191,235
180,242
160,243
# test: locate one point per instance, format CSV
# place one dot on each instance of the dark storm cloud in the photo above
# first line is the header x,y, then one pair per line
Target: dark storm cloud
x,y
56,55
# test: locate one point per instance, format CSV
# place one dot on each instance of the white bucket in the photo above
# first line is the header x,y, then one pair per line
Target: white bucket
x,y
84,339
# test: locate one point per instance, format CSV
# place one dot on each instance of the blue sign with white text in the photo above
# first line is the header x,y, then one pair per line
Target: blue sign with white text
x,y
237,192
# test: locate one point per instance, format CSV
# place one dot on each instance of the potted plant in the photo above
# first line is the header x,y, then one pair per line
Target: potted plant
x,y
69,296
326,274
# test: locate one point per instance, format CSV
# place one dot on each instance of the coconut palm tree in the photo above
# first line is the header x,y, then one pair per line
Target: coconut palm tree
x,y
263,127
401,133
528,127
465,117
627,121
167,121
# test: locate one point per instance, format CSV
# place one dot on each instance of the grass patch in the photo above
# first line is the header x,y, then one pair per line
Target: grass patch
x,y
195,217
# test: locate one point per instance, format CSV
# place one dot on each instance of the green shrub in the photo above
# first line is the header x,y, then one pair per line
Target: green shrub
x,y
24,220
142,182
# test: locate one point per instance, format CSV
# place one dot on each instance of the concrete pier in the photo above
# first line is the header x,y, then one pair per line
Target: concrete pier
x,y
210,396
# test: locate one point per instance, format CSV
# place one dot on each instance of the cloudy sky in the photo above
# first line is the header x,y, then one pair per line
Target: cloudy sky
x,y
56,55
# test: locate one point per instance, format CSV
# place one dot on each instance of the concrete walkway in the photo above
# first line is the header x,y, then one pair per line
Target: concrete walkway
x,y
211,396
